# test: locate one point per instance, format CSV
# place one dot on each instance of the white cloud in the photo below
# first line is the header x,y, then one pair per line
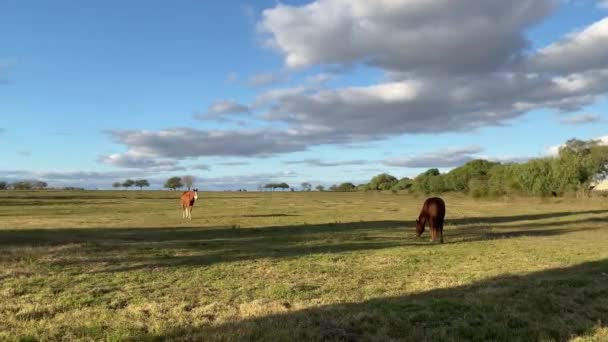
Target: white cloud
x,y
577,52
102,180
405,35
449,157
267,79
321,163
581,119
221,108
456,66
133,160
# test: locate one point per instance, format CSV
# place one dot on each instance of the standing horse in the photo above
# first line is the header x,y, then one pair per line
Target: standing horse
x,y
433,212
188,199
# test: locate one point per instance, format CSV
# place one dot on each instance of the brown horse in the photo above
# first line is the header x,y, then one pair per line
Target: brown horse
x,y
433,212
187,200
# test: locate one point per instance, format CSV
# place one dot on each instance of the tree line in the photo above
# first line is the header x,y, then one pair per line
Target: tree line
x,y
23,185
578,164
140,183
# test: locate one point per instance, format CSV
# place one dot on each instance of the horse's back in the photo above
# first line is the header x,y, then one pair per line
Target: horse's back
x,y
434,207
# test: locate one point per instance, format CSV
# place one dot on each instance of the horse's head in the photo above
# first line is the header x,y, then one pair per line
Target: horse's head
x,y
195,194
419,227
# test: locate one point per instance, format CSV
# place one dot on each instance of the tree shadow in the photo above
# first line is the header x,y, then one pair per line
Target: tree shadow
x,y
120,249
515,218
553,305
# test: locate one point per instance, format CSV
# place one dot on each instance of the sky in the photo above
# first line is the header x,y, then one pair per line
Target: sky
x,y
242,93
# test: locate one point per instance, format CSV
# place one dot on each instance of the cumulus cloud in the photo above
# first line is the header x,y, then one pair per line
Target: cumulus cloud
x,y
437,159
406,35
431,106
581,119
233,163
577,52
267,79
454,66
132,160
87,179
179,143
223,107
321,163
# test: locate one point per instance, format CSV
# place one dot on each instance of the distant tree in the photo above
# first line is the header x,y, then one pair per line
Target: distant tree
x,y
320,188
38,185
128,183
3,185
188,181
117,185
383,181
174,183
141,183
429,181
404,183
273,186
23,185
344,187
362,187
459,178
333,187
306,186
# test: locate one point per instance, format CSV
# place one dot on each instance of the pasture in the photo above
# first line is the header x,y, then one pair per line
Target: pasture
x,y
123,265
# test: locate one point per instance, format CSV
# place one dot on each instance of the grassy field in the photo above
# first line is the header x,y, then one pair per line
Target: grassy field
x,y
123,265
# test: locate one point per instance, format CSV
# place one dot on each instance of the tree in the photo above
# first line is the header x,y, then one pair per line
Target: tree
x,y
188,181
344,187
3,185
306,186
128,183
383,181
459,178
320,188
23,185
283,186
141,183
429,181
404,183
174,183
116,185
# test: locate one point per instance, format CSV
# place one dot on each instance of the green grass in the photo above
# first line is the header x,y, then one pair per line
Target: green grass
x,y
123,265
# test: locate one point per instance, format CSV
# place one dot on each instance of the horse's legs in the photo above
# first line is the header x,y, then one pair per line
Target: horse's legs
x,y
433,228
441,230
190,213
183,212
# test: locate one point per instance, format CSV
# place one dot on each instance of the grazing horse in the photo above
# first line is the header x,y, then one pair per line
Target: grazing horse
x,y
188,199
433,212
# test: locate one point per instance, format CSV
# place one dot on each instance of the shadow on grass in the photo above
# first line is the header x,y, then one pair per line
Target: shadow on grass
x,y
119,249
553,305
515,218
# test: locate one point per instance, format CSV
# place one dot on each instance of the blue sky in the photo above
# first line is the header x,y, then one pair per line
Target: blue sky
x,y
242,93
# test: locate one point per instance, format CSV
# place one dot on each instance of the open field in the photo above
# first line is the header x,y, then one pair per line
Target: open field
x,y
122,265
